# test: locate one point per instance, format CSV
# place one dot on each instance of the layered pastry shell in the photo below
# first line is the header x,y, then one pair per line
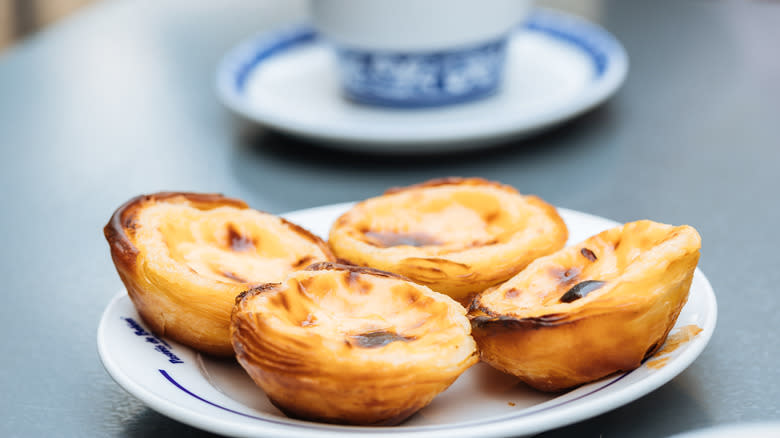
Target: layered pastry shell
x,y
457,236
351,345
591,309
184,257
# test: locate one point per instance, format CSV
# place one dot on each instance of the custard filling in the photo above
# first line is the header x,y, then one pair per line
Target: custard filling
x,y
225,244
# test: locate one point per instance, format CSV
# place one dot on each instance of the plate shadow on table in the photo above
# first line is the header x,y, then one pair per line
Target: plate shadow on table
x,y
261,157
660,412
281,146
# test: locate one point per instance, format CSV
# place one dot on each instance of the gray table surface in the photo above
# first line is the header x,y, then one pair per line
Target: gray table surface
x,y
119,100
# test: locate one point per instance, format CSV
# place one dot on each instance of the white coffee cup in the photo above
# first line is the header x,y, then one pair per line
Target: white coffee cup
x,y
412,53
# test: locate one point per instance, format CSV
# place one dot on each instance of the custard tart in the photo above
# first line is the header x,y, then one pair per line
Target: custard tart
x,y
457,236
350,345
184,257
591,309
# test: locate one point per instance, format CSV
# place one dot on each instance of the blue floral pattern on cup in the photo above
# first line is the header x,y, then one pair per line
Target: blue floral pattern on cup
x,y
422,79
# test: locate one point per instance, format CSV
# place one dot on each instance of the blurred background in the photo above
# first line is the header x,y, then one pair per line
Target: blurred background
x,y
20,18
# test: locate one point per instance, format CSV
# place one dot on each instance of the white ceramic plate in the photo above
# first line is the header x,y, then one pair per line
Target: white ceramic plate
x,y
558,67
216,395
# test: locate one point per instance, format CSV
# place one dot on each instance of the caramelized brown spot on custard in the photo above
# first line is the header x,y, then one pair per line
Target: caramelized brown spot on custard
x,y
588,254
237,241
565,275
376,339
478,243
387,239
412,295
352,278
309,321
511,293
303,261
355,282
233,276
490,217
581,289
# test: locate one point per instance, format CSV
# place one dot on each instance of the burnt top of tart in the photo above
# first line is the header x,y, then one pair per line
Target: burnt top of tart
x,y
123,222
436,221
354,310
563,283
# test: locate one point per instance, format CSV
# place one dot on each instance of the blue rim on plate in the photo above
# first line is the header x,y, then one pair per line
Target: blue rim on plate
x,y
394,430
462,126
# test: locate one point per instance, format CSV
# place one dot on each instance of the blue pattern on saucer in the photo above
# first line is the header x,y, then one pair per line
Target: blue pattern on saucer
x,y
362,127
422,79
435,78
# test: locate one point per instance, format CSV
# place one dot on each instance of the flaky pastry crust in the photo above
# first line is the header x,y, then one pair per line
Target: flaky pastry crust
x,y
591,309
184,257
351,345
457,236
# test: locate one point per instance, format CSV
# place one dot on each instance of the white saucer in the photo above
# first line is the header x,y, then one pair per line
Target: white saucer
x,y
218,396
558,67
